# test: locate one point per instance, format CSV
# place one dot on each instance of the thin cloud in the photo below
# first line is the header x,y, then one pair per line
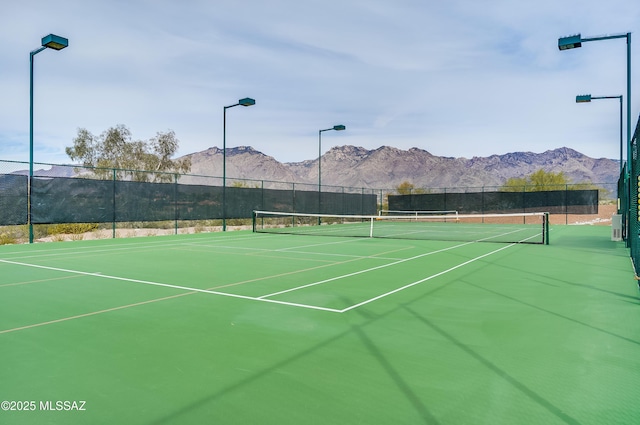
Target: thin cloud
x,y
457,78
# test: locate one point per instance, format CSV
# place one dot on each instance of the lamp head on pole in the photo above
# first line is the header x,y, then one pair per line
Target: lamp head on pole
x,y
247,101
339,127
571,42
583,98
55,42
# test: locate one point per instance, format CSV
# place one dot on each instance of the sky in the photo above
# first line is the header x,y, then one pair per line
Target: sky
x,y
457,78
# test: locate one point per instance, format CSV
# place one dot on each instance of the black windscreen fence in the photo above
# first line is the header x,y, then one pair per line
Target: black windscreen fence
x,y
82,200
77,200
552,201
61,200
13,199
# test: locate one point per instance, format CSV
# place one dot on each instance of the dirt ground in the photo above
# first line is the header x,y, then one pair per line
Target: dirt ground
x,y
603,218
127,233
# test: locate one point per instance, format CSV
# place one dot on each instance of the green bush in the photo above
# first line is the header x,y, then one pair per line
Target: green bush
x,y
13,234
71,228
7,239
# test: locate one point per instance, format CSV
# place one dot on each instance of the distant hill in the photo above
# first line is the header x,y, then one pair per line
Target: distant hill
x,y
54,171
387,167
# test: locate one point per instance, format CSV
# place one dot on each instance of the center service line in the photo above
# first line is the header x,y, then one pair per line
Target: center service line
x,y
424,280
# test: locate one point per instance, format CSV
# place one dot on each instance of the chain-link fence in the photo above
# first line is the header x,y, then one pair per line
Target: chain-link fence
x,y
633,236
61,194
592,203
137,199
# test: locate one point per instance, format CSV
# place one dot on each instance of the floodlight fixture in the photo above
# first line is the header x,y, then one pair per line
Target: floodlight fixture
x,y
583,98
55,42
571,42
247,101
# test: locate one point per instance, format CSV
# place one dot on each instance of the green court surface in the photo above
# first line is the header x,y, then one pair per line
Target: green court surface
x,y
244,328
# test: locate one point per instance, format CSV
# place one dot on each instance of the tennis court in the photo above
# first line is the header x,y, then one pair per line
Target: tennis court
x,y
248,328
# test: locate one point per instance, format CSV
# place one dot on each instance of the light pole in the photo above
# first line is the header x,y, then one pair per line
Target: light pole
x,y
247,101
575,41
338,127
586,98
54,42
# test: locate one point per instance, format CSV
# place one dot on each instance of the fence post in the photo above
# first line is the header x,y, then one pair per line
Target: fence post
x,y
113,222
175,201
566,207
445,200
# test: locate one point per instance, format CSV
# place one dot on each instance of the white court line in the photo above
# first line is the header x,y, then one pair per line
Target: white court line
x,y
166,285
280,249
264,299
363,271
294,250
139,246
124,246
93,313
289,249
423,280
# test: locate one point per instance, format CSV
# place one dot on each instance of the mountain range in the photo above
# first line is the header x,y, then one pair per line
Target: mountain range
x,y
387,167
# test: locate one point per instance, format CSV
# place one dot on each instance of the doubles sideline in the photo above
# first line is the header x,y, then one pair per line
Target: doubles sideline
x,y
263,298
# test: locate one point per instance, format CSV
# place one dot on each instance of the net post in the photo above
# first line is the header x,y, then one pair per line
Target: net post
x,y
545,222
371,228
253,221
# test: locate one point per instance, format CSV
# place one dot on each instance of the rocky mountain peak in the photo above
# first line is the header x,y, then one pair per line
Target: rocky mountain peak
x,y
347,153
387,167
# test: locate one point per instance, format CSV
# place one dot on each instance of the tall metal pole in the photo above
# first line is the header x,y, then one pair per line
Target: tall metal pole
x,y
319,173
629,155
30,182
587,98
621,134
54,42
628,97
609,37
575,41
247,101
338,127
224,167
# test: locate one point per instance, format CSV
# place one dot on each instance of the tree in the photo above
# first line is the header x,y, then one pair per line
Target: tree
x,y
135,160
538,181
244,184
408,188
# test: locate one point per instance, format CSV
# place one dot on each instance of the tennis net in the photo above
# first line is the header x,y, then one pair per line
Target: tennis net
x,y
504,228
417,214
